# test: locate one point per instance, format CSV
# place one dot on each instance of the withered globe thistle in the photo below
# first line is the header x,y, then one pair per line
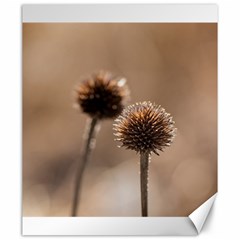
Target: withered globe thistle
x,y
102,95
145,127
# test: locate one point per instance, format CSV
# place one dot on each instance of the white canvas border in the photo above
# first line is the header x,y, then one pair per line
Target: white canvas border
x,y
120,13
107,226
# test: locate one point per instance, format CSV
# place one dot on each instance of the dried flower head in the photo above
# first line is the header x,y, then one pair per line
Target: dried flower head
x,y
144,127
102,95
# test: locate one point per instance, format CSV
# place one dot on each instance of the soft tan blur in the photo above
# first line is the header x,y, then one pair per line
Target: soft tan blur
x,y
174,65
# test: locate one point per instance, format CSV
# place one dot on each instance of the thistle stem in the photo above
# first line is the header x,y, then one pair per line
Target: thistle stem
x,y
144,167
88,139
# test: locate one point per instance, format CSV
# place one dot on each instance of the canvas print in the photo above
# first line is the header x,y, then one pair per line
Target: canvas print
x,y
119,119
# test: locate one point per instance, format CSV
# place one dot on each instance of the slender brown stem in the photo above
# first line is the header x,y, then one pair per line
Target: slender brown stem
x,y
88,140
144,166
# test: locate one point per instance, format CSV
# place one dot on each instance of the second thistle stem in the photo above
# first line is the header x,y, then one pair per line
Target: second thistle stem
x,y
89,144
144,167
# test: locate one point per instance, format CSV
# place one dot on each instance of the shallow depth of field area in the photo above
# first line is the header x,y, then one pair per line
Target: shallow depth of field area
x,y
173,65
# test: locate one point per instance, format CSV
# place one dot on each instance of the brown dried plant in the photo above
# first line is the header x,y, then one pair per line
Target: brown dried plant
x,y
145,128
101,96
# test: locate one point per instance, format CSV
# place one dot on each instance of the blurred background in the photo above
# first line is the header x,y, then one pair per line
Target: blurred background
x,y
174,65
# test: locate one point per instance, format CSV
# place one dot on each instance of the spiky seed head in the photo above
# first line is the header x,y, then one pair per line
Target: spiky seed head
x,y
102,95
144,127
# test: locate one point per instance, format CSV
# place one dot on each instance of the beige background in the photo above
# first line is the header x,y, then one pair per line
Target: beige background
x,y
174,65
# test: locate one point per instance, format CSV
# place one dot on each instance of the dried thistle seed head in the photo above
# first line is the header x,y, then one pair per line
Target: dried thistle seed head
x,y
144,127
102,95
